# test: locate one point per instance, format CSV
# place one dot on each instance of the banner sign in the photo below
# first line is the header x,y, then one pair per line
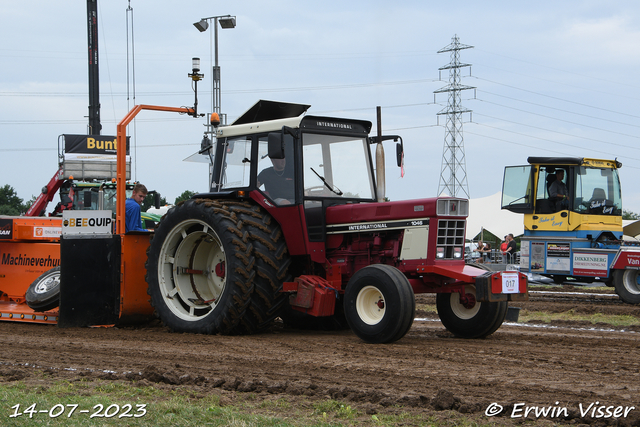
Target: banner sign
x,y
92,147
87,222
589,264
558,257
6,228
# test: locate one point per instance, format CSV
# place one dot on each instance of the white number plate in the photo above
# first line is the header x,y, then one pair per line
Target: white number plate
x,y
510,283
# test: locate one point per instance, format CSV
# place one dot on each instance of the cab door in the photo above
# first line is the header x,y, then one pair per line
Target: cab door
x,y
517,189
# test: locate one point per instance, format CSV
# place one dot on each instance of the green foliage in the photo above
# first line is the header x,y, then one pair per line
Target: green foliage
x,y
629,215
149,202
186,195
10,203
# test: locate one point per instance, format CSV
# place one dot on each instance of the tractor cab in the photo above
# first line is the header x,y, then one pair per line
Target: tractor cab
x,y
293,164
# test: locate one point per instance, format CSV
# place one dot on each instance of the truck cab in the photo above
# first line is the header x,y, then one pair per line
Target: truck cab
x,y
577,234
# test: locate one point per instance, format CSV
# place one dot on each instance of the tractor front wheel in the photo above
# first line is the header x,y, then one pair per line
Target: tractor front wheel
x,y
200,268
627,285
466,317
379,304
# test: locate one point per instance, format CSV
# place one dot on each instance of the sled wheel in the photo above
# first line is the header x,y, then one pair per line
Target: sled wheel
x,y
379,304
627,286
44,293
200,268
271,265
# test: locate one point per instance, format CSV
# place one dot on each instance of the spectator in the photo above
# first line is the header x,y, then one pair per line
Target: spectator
x,y
504,244
486,253
509,256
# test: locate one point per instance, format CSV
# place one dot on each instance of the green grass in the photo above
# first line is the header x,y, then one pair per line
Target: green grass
x,y
184,407
619,320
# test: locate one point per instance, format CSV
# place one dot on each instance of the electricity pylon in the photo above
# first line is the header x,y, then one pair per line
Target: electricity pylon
x,y
453,175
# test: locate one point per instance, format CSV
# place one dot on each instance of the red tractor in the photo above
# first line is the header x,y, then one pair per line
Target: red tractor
x,y
292,227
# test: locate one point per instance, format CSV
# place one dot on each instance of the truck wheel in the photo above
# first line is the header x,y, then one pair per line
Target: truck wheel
x,y
379,304
272,263
627,285
469,318
200,268
44,293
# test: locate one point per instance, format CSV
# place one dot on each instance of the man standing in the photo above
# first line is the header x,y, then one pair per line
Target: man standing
x,y
133,221
511,249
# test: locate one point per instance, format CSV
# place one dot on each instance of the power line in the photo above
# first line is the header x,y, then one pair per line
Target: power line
x,y
560,120
560,109
560,99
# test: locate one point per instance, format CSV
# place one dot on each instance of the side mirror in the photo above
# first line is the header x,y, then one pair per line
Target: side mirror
x,y
276,145
399,153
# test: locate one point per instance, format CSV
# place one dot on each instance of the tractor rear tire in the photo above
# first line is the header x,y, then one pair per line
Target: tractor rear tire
x,y
479,321
44,293
379,304
200,268
627,285
272,263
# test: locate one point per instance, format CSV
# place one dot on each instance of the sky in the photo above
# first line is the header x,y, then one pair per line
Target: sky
x,y
552,78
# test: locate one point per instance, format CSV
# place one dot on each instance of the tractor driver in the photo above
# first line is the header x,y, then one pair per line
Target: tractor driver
x,y
558,191
278,182
133,221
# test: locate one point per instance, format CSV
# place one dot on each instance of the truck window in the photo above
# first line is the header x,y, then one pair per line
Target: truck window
x,y
598,191
517,193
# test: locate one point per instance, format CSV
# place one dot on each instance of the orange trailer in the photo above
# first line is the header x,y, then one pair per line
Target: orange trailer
x,y
29,247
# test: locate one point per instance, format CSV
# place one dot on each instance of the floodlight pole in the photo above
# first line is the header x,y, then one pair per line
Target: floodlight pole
x,y
226,21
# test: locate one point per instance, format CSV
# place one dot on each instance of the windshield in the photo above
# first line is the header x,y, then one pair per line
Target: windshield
x,y
598,191
237,163
336,166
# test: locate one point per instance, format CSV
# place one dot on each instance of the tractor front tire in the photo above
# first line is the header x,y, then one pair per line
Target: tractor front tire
x,y
471,319
44,293
379,304
627,285
200,268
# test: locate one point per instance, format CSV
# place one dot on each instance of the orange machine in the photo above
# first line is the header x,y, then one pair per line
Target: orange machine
x,y
29,247
102,279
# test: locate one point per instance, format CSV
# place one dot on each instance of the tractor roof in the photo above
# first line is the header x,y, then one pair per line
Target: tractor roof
x,y
263,111
265,116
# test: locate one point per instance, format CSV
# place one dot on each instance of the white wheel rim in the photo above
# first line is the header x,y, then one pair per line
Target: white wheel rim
x,y
460,310
187,277
630,281
48,283
370,305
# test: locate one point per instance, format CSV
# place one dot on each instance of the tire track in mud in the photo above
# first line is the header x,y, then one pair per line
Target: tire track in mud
x,y
427,371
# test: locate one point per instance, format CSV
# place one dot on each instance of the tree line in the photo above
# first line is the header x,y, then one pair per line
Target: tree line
x,y
12,205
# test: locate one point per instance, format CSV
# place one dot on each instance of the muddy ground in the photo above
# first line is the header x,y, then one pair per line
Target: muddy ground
x,y
567,366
